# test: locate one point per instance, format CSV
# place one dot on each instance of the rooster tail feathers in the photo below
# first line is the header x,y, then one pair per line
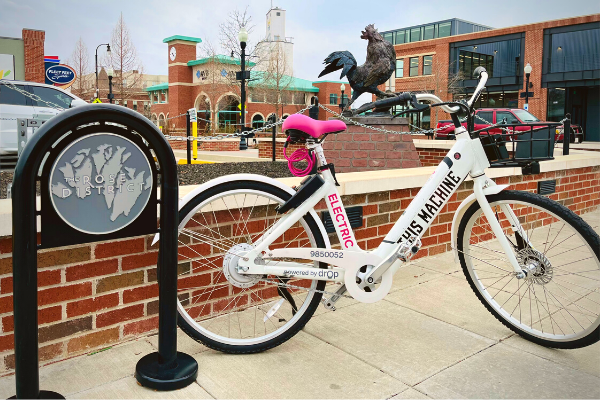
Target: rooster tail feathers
x,y
343,60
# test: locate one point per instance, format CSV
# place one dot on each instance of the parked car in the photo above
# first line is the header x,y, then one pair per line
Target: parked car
x,y
14,104
512,116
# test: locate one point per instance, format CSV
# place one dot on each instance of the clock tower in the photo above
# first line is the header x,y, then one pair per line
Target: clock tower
x,y
181,49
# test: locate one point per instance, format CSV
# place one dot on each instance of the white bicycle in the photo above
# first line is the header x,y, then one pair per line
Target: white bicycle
x,y
256,261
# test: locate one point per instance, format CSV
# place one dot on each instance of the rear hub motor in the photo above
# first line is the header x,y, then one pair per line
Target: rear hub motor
x,y
230,267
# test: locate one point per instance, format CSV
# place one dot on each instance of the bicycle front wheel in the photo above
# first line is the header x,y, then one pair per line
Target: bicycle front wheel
x,y
557,304
227,310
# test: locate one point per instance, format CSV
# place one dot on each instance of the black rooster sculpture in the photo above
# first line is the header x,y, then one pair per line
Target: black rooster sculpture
x,y
377,69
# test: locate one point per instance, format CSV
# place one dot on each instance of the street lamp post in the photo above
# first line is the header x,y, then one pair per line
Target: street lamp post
x,y
108,54
243,38
342,88
527,71
110,74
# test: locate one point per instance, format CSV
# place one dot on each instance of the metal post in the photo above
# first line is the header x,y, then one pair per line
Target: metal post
x,y
527,92
567,135
189,144
243,142
274,134
111,96
342,103
313,112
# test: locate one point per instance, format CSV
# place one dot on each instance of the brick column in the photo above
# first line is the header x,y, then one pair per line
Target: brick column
x,y
180,77
33,43
363,149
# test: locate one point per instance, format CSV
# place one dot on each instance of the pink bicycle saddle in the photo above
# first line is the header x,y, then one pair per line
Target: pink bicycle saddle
x,y
313,127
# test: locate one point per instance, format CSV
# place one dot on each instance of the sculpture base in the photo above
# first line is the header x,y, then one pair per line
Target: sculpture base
x,y
149,373
46,394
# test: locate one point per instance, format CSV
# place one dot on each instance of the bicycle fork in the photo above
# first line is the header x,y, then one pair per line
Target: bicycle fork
x,y
479,183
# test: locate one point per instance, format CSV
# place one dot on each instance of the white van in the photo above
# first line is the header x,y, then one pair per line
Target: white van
x,y
16,105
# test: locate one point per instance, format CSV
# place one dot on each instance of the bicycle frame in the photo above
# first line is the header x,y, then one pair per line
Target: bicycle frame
x,y
466,158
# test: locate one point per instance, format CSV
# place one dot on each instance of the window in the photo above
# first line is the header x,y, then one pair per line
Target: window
x,y
414,66
257,98
389,37
399,37
428,32
286,98
500,59
344,99
484,117
124,103
333,98
11,96
556,104
525,116
257,121
135,105
444,29
52,96
399,68
502,115
278,14
415,34
427,65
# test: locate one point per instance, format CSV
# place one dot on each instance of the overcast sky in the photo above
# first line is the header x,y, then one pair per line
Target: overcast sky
x,y
318,27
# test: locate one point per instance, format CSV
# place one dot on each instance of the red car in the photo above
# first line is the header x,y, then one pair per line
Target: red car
x,y
486,116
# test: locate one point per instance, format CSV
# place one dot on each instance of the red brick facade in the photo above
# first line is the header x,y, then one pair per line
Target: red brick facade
x,y
33,43
183,92
440,49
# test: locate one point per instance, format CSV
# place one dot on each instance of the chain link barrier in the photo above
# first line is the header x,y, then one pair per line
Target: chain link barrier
x,y
30,95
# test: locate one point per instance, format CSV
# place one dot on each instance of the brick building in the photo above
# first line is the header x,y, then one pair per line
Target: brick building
x,y
24,57
208,84
564,54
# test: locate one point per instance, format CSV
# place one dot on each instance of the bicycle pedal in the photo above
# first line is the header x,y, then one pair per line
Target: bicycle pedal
x,y
328,305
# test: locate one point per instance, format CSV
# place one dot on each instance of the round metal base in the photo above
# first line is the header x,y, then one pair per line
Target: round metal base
x,y
46,394
151,374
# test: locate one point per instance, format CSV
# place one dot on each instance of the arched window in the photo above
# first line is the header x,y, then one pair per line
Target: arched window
x,y
154,119
257,121
161,121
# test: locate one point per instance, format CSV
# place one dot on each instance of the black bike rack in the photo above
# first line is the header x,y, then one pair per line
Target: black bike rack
x,y
166,369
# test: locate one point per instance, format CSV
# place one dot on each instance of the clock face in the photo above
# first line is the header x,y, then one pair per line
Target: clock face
x,y
173,53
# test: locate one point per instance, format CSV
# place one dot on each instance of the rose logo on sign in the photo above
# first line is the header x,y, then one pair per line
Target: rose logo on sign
x,y
61,75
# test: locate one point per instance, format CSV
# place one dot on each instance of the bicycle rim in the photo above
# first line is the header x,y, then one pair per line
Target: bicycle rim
x,y
223,306
559,300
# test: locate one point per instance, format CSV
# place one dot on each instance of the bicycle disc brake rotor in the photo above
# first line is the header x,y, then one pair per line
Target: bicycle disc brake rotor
x,y
356,289
230,266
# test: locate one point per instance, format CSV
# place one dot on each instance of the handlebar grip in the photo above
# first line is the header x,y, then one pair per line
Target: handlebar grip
x,y
478,71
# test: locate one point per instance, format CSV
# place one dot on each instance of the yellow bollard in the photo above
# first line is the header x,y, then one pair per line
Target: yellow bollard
x,y
195,135
194,121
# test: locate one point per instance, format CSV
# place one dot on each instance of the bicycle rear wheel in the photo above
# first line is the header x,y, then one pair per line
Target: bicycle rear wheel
x,y
558,303
232,312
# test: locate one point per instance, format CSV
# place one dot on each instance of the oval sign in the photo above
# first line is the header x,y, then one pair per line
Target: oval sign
x,y
100,183
61,74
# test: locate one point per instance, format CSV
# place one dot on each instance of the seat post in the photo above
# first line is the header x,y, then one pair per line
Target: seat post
x,y
318,149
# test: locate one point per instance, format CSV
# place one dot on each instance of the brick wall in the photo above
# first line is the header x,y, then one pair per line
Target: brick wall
x,y
361,149
33,43
97,295
265,149
431,157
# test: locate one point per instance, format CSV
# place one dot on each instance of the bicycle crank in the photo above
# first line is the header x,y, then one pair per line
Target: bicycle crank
x,y
363,291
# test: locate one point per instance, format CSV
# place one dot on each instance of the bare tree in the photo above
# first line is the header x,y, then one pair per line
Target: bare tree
x,y
79,60
128,69
276,78
228,33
